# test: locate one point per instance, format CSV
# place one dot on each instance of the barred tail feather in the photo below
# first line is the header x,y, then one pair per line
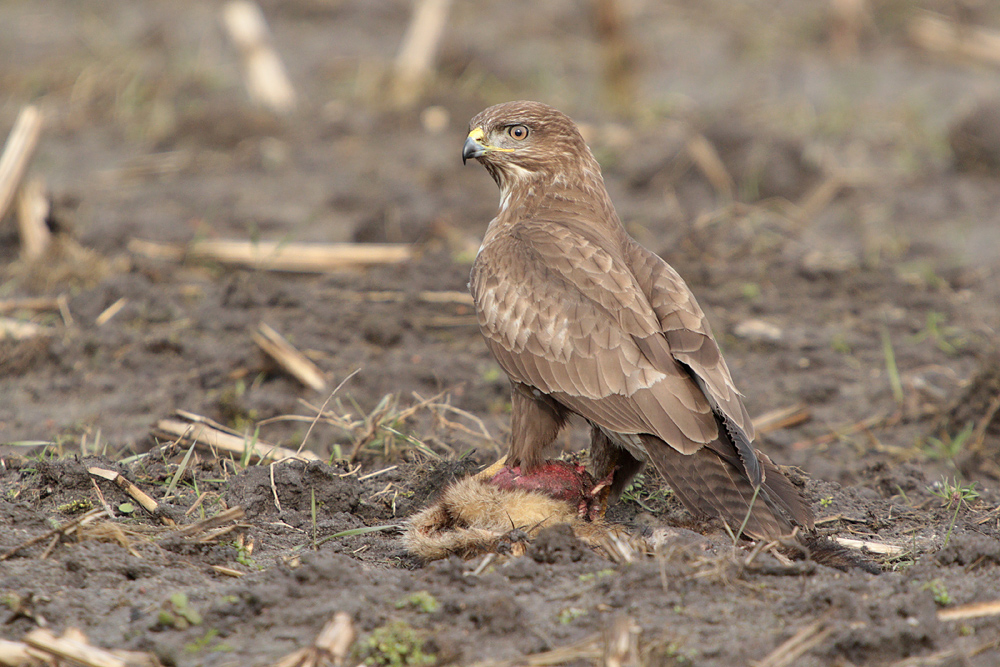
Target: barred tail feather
x,y
710,484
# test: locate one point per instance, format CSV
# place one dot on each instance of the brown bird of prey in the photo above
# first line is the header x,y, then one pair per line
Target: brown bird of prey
x,y
586,321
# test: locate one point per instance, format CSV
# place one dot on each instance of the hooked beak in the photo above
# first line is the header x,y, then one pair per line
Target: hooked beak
x,y
473,148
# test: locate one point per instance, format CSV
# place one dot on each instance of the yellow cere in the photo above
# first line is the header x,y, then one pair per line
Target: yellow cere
x,y
478,135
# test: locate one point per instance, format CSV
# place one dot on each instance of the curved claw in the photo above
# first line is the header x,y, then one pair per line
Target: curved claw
x,y
598,498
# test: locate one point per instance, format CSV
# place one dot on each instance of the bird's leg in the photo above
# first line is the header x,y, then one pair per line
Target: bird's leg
x,y
535,422
612,462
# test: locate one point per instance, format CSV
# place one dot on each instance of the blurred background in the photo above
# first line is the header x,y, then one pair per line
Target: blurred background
x,y
824,173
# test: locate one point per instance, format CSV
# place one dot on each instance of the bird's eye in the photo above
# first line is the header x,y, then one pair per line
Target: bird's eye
x,y
519,132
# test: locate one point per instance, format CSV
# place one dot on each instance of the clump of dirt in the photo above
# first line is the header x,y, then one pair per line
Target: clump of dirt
x,y
975,138
969,549
763,164
903,623
294,488
429,480
19,357
970,426
557,544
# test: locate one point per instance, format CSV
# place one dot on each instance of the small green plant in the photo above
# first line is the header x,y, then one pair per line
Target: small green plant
x,y
947,339
826,502
905,559
939,591
422,601
178,613
194,486
600,574
642,493
947,447
203,642
244,558
249,446
179,473
364,530
899,563
890,366
381,432
231,406
931,278
394,644
668,652
570,614
954,494
750,291
746,518
840,344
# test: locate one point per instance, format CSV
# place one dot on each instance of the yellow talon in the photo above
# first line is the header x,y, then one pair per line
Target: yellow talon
x,y
492,470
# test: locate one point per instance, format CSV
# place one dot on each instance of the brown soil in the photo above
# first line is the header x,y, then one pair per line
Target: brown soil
x,y
149,135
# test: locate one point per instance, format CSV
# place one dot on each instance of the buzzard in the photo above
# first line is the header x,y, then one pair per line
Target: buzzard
x,y
586,321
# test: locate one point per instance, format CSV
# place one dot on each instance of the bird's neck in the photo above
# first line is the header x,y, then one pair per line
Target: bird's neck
x,y
555,196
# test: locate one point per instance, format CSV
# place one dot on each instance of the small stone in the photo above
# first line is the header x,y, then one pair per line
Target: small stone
x,y
820,263
758,331
381,331
435,119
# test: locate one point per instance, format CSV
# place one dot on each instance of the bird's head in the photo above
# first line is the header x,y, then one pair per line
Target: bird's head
x,y
528,141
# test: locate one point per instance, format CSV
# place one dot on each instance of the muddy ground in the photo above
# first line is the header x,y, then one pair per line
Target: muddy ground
x,y
853,272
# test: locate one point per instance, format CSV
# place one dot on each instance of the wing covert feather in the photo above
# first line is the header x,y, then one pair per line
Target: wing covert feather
x,y
561,313
687,335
